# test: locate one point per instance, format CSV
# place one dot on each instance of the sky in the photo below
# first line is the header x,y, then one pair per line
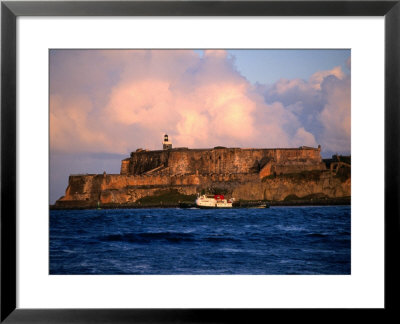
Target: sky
x,y
105,104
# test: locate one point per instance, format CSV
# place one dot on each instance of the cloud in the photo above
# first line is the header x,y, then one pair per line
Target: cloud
x,y
116,101
70,123
321,105
318,78
348,63
336,115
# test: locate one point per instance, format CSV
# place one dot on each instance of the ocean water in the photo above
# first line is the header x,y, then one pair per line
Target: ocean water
x,y
276,240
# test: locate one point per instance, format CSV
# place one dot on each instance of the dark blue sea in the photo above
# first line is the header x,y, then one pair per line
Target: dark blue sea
x,y
276,240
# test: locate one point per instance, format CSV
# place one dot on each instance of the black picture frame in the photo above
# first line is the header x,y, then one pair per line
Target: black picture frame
x,y
10,10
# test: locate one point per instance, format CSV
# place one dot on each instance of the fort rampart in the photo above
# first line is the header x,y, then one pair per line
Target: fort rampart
x,y
223,161
246,173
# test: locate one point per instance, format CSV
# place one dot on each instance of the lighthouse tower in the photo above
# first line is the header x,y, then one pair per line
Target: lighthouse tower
x,y
167,145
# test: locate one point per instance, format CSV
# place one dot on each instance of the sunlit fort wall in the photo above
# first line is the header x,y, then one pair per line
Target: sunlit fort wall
x,y
220,160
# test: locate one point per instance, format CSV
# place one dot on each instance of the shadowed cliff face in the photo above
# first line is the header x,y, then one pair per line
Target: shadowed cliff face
x,y
292,186
245,174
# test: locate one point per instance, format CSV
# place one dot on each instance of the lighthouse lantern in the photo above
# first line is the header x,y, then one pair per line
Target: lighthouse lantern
x,y
167,145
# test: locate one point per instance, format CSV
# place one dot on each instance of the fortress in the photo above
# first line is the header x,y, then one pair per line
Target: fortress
x,y
245,173
221,160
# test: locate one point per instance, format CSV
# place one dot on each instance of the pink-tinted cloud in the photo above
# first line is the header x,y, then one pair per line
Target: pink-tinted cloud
x,y
117,101
71,128
318,77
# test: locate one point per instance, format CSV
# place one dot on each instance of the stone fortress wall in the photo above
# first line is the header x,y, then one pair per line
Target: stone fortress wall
x,y
246,173
223,161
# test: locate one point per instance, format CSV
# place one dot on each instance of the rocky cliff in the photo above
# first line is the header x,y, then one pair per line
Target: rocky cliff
x,y
295,186
246,174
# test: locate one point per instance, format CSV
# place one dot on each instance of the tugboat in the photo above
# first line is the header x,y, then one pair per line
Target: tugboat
x,y
213,201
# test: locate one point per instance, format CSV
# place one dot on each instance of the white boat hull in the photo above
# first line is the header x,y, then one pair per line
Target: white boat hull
x,y
208,202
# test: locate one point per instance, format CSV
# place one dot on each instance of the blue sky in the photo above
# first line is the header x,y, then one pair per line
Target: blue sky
x,y
106,103
268,66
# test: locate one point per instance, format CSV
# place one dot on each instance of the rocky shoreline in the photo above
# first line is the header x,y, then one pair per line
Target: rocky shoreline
x,y
173,204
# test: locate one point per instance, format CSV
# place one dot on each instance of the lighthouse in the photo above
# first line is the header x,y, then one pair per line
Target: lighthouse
x,y
167,145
